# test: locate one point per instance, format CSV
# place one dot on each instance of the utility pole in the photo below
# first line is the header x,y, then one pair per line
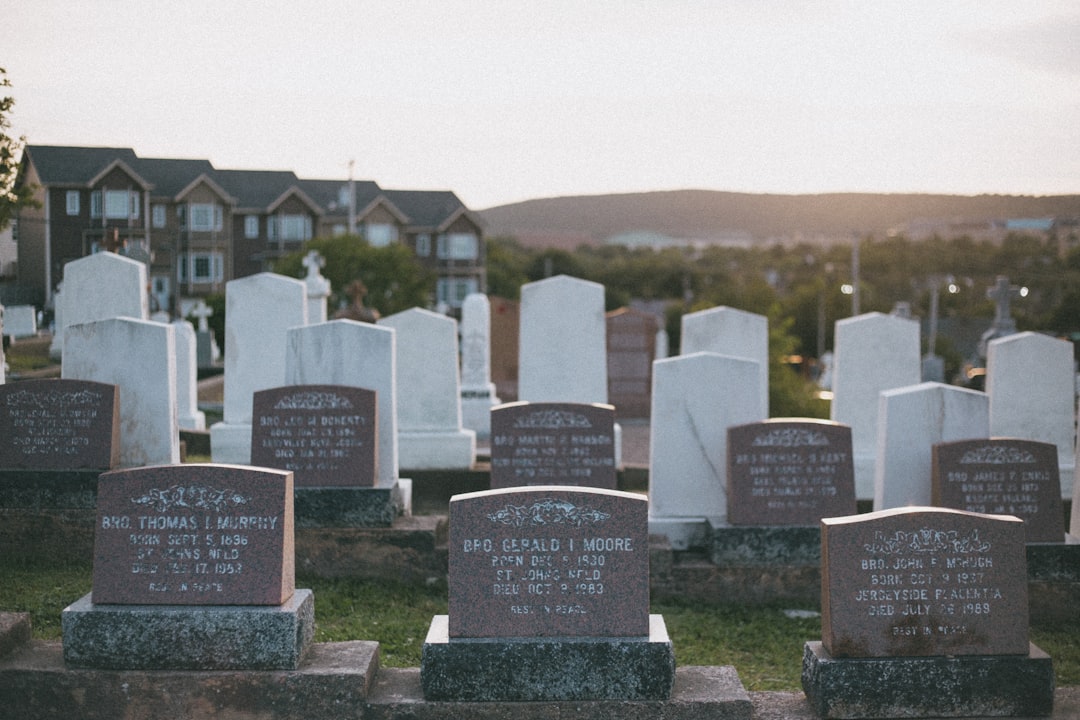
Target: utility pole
x,y
352,199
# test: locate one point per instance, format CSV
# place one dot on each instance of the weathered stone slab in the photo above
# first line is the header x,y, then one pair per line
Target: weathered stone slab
x,y
181,637
326,435
515,670
761,546
344,507
194,535
789,472
59,425
553,444
1002,476
548,562
923,582
928,687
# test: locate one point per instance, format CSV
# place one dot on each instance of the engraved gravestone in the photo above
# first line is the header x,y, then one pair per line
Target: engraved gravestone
x,y
789,472
553,444
924,582
1002,476
194,535
548,562
59,425
325,434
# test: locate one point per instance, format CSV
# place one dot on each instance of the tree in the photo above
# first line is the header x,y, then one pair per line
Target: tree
x,y
394,278
11,198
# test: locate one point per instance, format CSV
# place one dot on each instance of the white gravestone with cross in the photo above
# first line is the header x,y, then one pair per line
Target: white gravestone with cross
x,y
318,287
206,348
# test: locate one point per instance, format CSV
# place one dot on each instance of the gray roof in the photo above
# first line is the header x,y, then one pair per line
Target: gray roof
x,y
255,188
60,165
326,193
169,177
426,208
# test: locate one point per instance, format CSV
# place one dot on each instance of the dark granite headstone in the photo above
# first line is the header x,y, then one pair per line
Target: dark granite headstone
x,y
1002,476
548,562
789,472
194,535
923,582
59,425
325,434
553,444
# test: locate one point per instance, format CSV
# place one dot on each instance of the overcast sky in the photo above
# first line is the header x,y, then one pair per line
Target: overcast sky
x,y
503,101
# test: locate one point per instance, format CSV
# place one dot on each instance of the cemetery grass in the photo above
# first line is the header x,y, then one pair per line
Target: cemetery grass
x,y
762,643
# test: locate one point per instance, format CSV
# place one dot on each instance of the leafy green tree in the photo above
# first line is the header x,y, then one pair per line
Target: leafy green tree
x,y
11,198
395,279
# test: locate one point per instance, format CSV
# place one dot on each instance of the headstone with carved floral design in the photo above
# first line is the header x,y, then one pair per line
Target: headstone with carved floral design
x,y
553,444
193,569
555,579
1003,476
924,613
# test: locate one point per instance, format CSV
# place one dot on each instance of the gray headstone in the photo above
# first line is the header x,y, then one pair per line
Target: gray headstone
x,y
923,582
553,444
326,435
789,472
1002,476
194,535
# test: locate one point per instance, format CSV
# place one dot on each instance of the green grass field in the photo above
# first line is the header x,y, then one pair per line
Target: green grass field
x,y
760,640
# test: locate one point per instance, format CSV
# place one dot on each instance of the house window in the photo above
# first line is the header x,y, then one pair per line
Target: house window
x,y
201,267
157,215
95,204
121,204
453,291
290,227
457,246
423,245
251,226
380,234
204,217
72,202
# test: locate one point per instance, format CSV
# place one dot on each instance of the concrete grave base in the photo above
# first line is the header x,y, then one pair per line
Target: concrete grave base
x,y
757,545
928,687
180,637
683,533
344,507
437,450
37,489
230,443
547,669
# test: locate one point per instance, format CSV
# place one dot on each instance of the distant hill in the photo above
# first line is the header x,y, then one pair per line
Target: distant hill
x,y
712,215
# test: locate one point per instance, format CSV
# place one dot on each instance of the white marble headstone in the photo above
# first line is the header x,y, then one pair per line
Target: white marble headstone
x,y
318,287
563,347
139,357
872,353
189,417
1031,383
347,352
477,391
259,309
911,420
430,434
732,332
695,399
20,321
102,286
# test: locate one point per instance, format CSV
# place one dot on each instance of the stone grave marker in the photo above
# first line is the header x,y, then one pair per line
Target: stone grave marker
x,y
478,394
556,580
631,349
924,581
874,352
318,287
59,425
925,614
20,321
430,435
260,309
188,415
326,435
139,357
1002,476
789,472
563,347
695,399
194,535
733,332
100,287
553,444
505,336
1034,405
